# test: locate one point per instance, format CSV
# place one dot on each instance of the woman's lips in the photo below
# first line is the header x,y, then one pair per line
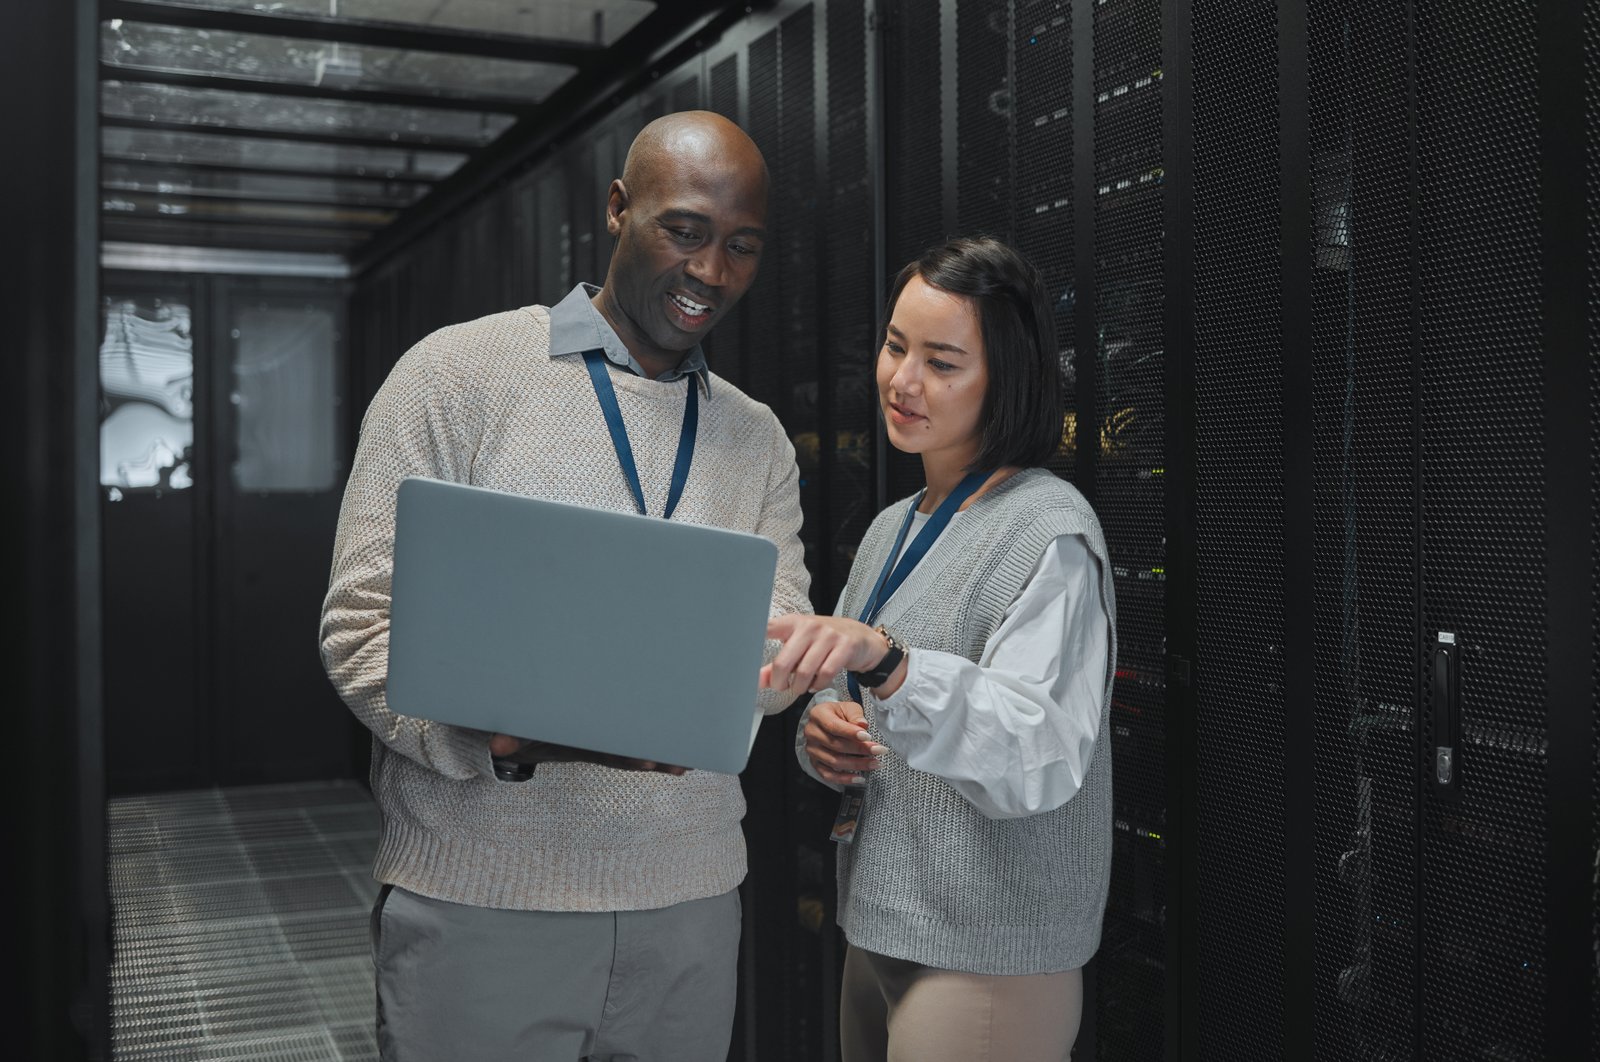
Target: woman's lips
x,y
898,414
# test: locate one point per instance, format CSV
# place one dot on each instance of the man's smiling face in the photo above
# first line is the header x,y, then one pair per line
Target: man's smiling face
x,y
689,241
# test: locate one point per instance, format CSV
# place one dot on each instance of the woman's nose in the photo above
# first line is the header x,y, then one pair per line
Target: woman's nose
x,y
906,378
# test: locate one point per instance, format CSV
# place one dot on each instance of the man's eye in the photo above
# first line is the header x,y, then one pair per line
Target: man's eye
x,y
745,249
687,235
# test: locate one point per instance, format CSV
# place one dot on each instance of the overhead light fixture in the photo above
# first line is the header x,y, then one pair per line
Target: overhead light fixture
x,y
336,69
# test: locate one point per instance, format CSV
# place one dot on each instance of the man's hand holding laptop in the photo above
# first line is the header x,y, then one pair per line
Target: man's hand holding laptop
x,y
520,750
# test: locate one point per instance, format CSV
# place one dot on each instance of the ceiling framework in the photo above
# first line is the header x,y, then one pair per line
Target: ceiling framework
x,y
350,126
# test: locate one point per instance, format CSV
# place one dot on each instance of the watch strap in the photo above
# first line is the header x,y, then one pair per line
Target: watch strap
x,y
885,667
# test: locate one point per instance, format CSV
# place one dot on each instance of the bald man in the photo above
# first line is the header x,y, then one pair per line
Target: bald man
x,y
540,902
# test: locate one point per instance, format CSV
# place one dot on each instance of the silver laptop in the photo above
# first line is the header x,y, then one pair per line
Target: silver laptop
x,y
605,631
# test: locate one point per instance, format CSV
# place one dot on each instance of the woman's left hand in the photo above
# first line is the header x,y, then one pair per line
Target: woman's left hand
x,y
816,648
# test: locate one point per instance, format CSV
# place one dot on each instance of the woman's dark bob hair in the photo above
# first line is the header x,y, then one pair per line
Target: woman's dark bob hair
x,y
1022,408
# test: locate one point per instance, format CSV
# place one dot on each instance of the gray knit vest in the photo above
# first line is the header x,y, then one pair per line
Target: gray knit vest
x,y
930,878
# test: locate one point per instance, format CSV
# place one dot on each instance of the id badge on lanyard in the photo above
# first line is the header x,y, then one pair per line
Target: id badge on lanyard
x,y
895,569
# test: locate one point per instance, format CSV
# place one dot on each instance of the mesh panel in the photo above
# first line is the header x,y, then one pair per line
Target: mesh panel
x,y
1129,488
555,240
913,164
1363,425
847,295
686,95
1239,533
911,131
725,87
725,346
1591,55
1041,32
795,176
761,367
985,167
239,929
1483,517
523,275
781,370
585,210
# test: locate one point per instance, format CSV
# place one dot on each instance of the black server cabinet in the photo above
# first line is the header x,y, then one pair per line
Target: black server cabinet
x,y
1366,653
1326,327
1588,351
1122,381
1239,750
1379,205
1484,576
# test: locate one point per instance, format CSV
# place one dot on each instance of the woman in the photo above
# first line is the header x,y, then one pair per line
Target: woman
x,y
975,638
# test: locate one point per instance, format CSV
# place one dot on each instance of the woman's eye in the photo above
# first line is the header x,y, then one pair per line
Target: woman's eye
x,y
940,366
894,348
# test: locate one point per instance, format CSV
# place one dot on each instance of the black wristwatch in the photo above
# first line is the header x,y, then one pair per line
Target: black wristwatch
x,y
884,668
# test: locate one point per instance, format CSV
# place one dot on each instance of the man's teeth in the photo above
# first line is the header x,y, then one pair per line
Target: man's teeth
x,y
690,306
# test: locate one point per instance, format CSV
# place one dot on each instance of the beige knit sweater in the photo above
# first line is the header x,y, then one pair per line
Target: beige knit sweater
x,y
484,403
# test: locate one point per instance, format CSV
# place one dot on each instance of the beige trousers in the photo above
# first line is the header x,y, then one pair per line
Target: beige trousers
x,y
892,1010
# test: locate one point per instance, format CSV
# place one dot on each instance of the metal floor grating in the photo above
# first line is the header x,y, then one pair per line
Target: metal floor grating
x,y
240,924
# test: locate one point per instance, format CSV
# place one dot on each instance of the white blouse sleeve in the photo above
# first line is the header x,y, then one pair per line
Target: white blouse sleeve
x,y
1015,732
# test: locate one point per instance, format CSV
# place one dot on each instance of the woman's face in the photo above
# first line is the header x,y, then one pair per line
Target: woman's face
x,y
932,374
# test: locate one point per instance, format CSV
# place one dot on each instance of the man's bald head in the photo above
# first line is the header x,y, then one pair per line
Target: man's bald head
x,y
701,140
689,216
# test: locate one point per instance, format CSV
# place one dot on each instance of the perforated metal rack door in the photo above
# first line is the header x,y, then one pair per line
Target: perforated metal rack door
x,y
1238,352
1128,424
585,209
799,249
913,160
1482,524
686,95
1364,422
848,420
985,117
1042,224
727,344
780,361
765,371
1591,55
725,87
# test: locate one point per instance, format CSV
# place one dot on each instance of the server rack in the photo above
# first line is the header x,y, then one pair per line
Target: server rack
x,y
1326,316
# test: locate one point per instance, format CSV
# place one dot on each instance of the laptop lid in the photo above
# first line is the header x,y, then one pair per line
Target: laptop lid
x,y
605,631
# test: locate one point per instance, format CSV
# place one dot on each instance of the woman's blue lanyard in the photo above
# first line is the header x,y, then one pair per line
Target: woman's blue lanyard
x,y
600,376
894,572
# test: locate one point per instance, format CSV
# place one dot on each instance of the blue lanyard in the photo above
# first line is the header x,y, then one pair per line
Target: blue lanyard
x,y
600,376
894,573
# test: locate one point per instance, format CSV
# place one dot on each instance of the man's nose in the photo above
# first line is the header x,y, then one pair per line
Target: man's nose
x,y
707,266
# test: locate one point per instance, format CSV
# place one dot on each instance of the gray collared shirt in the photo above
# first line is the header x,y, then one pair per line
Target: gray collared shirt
x,y
576,326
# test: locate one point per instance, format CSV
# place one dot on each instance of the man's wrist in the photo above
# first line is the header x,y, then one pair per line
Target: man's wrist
x,y
519,766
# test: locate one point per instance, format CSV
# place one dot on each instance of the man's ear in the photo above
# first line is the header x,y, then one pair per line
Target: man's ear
x,y
616,206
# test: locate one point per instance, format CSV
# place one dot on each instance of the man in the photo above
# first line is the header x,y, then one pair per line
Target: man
x,y
571,905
